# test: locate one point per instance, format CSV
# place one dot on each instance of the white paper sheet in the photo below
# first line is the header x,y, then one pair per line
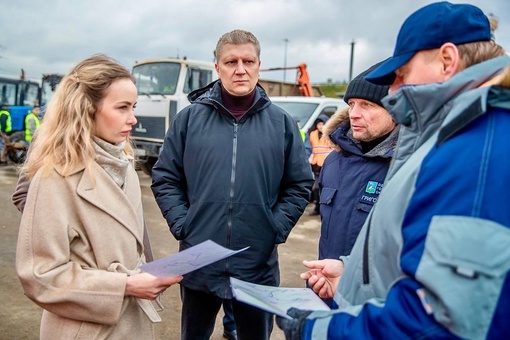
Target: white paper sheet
x,y
276,300
189,259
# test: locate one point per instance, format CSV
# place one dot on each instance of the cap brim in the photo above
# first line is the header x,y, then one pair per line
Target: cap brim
x,y
384,74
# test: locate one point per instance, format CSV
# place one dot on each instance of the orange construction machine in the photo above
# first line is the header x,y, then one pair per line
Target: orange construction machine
x,y
302,86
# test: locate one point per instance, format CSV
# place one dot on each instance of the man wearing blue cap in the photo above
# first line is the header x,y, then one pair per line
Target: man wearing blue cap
x,y
433,257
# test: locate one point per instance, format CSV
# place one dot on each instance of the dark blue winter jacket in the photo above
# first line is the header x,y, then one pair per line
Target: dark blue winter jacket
x,y
350,183
238,184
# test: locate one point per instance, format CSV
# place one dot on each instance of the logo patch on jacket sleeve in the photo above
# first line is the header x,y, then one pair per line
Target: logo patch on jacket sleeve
x,y
371,193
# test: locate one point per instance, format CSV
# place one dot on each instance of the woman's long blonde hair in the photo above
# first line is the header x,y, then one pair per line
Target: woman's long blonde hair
x,y
64,138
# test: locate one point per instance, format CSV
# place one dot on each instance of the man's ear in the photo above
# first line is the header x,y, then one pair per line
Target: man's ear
x,y
450,59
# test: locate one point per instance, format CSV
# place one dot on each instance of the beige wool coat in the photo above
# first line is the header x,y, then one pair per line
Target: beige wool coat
x,y
80,237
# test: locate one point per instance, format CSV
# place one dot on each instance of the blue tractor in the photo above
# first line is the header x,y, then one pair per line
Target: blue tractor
x,y
17,96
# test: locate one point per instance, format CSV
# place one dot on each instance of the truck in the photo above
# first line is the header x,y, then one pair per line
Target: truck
x,y
163,86
18,95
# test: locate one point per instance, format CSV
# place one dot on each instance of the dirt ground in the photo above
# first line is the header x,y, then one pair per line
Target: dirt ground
x,y
19,317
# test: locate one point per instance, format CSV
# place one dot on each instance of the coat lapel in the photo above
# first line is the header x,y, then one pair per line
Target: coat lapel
x,y
101,191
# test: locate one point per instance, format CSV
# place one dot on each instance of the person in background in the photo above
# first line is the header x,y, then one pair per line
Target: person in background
x,y
320,150
302,133
5,130
233,170
432,259
364,136
32,123
306,139
81,234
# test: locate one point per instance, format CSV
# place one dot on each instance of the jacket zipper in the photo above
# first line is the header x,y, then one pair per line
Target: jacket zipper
x,y
366,276
231,194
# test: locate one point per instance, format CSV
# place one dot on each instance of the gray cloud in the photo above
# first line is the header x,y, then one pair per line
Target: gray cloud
x,y
51,36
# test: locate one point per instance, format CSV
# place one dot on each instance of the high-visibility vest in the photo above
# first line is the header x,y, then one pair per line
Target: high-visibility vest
x,y
8,124
320,148
303,134
29,133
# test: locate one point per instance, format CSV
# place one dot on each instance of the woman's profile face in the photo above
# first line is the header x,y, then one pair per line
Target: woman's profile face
x,y
115,117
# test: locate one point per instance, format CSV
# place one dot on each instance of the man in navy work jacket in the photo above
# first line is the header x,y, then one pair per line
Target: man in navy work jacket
x,y
363,136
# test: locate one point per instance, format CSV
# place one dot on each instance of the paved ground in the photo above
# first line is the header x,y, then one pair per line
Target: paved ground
x,y
19,317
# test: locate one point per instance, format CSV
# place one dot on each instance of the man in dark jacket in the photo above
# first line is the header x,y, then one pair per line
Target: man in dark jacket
x,y
233,169
364,136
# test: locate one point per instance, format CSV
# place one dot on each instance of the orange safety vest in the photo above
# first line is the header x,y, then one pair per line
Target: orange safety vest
x,y
320,148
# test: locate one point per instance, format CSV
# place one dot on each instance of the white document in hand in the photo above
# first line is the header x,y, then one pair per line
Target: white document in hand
x,y
276,300
189,259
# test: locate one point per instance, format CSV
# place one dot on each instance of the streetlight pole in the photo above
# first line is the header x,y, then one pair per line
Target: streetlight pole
x,y
285,58
352,59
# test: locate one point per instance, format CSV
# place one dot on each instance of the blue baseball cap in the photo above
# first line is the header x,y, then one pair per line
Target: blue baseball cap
x,y
430,27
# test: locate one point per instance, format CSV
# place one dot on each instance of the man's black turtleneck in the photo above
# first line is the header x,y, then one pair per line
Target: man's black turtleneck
x,y
237,105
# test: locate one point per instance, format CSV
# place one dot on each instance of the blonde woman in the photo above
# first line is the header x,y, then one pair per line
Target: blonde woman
x,y
81,234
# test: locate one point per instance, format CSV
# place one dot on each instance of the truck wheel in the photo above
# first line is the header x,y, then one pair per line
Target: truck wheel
x,y
147,164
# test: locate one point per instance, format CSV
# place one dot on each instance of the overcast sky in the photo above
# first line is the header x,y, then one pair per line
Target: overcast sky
x,y
51,36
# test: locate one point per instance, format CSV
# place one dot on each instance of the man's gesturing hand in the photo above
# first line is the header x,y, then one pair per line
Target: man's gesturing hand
x,y
323,276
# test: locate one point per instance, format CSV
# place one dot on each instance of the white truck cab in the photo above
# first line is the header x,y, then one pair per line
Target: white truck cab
x,y
163,86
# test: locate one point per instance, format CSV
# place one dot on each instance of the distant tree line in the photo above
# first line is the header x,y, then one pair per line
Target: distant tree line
x,y
333,90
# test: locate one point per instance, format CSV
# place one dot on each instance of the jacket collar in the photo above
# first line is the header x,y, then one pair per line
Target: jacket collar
x,y
342,137
97,188
211,95
337,133
473,104
421,109
421,105
339,117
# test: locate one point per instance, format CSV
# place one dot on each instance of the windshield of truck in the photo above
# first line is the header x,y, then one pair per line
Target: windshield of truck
x,y
46,93
31,94
17,92
300,111
196,78
157,78
8,94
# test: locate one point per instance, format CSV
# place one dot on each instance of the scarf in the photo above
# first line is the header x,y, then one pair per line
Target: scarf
x,y
112,159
